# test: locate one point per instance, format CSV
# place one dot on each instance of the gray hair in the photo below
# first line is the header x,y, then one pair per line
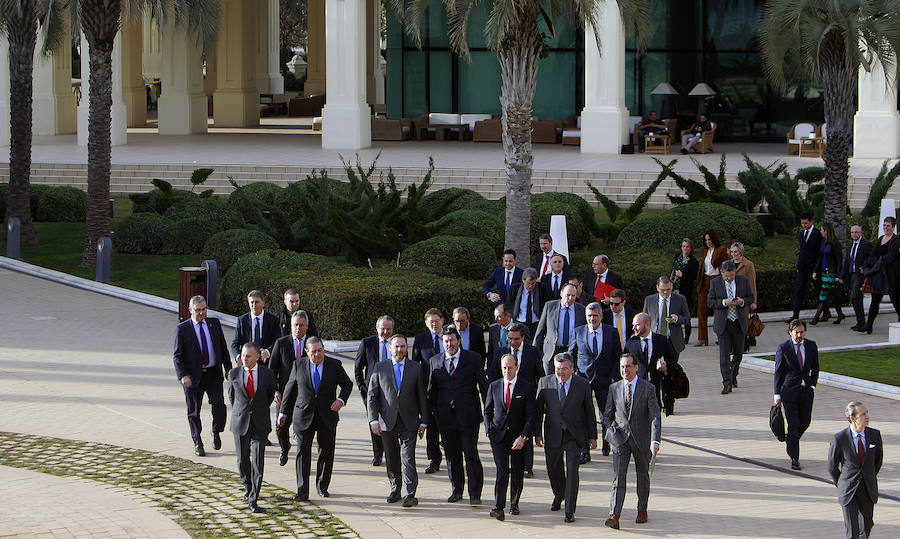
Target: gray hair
x,y
300,314
728,265
564,357
594,306
663,280
461,310
383,318
530,274
313,340
852,409
504,356
197,299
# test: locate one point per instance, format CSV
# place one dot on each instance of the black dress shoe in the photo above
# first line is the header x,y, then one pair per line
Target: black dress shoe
x,y
410,501
474,501
394,497
283,458
734,382
727,389
570,517
455,497
514,510
255,508
857,328
605,448
323,493
199,451
432,468
376,461
839,319
557,503
585,458
795,464
868,329
246,495
498,514
217,441
684,151
529,473
300,497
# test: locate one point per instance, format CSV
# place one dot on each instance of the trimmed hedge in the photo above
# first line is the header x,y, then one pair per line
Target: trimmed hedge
x,y
583,206
187,236
36,192
228,246
469,258
263,192
579,234
63,203
437,204
289,199
472,224
666,230
141,233
210,208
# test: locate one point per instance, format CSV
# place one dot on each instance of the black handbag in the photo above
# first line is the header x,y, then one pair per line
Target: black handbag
x,y
776,422
678,381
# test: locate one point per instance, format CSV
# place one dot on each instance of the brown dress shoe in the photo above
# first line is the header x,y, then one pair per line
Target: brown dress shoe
x,y
641,518
612,522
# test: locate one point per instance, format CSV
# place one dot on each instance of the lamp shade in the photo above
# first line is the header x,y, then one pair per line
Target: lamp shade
x,y
701,89
664,88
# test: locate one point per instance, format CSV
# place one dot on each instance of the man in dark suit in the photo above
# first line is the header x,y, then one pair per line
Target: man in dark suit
x,y
509,419
526,300
583,297
600,278
796,376
251,389
288,349
598,350
542,258
654,354
728,293
852,275
854,460
810,240
471,334
292,305
669,313
456,390
312,393
619,316
258,326
396,395
497,333
426,345
556,279
502,278
565,409
201,360
631,418
556,328
373,350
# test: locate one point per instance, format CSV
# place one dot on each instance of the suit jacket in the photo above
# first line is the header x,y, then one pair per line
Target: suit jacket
x,y
307,403
368,355
629,317
271,331
515,299
890,259
284,320
590,282
423,349
465,390
548,327
476,341
809,250
502,425
789,379
547,282
661,348
677,306
187,356
498,280
845,468
530,365
863,252
717,294
577,412
601,367
388,402
834,259
243,408
539,260
642,424
282,360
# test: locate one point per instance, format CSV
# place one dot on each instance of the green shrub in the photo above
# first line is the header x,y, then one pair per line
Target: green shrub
x,y
471,224
141,233
62,203
578,232
262,192
227,246
159,199
469,258
252,270
210,208
871,225
583,206
290,199
666,230
187,236
437,204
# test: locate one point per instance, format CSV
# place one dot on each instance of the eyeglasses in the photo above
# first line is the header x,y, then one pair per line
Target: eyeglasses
x,y
616,302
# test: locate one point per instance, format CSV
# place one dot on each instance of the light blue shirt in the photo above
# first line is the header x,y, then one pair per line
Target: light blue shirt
x,y
464,338
562,316
856,436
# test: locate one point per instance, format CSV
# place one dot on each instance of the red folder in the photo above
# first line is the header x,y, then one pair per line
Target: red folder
x,y
603,290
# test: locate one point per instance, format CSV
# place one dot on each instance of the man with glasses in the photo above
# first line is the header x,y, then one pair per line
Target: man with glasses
x,y
619,316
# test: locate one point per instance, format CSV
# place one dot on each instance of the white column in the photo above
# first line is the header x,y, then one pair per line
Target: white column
x,y
604,120
345,118
236,99
276,81
876,126
134,93
315,48
261,45
4,91
118,128
54,105
182,105
151,52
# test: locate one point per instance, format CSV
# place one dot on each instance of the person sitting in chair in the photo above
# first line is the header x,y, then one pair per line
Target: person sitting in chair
x,y
650,125
696,134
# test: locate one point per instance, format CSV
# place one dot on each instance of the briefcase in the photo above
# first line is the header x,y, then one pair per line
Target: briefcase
x,y
678,381
776,422
755,326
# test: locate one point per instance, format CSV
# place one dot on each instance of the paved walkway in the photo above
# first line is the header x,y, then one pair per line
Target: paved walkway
x,y
80,366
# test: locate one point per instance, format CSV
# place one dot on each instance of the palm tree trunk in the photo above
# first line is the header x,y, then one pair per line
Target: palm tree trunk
x,y
840,83
22,32
519,58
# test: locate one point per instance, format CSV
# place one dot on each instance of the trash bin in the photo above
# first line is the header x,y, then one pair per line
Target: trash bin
x,y
191,282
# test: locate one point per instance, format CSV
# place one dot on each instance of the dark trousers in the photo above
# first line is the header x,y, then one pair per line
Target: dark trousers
x,y
798,414
400,458
377,447
876,301
432,442
600,393
193,397
856,298
621,457
324,460
251,460
564,477
284,433
860,504
731,351
462,442
803,278
510,472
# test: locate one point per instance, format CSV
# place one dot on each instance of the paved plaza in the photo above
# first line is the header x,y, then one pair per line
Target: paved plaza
x,y
82,366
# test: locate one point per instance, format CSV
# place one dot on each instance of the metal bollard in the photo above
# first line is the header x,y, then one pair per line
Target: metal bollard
x,y
14,238
112,208
104,260
212,274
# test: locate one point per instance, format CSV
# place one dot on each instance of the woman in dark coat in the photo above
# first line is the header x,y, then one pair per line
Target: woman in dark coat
x,y
713,256
684,279
887,248
827,268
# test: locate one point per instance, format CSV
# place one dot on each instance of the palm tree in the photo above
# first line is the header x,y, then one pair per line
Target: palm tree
x,y
19,21
829,41
512,33
100,21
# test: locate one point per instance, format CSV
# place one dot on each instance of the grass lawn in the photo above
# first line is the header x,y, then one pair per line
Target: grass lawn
x,y
878,365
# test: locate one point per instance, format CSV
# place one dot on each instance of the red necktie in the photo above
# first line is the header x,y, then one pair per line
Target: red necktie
x,y
860,448
451,368
507,394
298,349
250,383
546,261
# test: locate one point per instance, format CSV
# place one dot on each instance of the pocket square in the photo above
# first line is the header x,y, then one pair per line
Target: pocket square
x,y
523,396
871,446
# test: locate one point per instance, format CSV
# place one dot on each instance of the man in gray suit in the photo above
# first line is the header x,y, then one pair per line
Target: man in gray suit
x,y
633,428
396,394
251,390
854,459
566,410
556,329
728,293
668,313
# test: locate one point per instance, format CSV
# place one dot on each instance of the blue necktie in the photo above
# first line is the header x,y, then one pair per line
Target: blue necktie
x,y
595,347
437,345
317,379
562,393
398,375
204,349
566,322
256,337
853,258
503,340
508,281
384,351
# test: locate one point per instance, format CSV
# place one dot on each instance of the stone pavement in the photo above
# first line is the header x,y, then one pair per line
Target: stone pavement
x,y
81,366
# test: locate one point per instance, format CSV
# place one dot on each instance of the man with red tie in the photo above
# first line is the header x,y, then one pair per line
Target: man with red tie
x,y
600,281
796,376
546,252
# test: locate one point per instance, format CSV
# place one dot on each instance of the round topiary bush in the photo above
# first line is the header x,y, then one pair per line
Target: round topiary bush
x,y
188,236
37,191
211,208
62,203
293,198
141,233
437,204
227,246
264,193
578,233
472,224
733,224
469,258
666,230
